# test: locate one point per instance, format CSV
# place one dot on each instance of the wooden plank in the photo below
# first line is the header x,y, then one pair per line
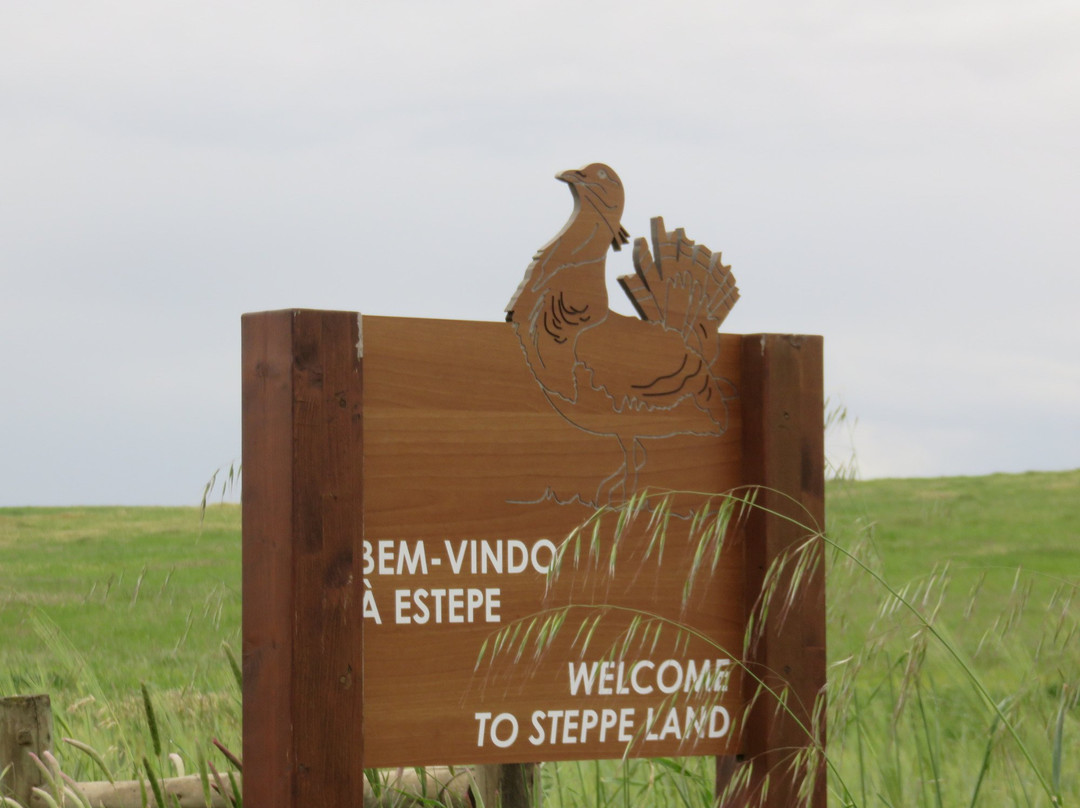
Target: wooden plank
x,y
398,788
464,454
303,638
783,451
179,792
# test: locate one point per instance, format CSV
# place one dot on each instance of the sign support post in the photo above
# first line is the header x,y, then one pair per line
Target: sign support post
x,y
783,454
302,620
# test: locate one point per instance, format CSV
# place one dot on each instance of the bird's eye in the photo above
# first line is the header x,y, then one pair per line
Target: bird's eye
x,y
602,174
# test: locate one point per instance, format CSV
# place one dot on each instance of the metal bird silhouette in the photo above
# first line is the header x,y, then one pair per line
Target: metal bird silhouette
x,y
613,375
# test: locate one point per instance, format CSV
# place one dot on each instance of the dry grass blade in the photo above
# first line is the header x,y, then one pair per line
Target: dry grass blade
x,y
93,754
219,782
45,797
941,641
232,758
72,790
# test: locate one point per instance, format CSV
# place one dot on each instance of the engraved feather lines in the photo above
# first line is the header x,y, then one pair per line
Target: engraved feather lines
x,y
612,375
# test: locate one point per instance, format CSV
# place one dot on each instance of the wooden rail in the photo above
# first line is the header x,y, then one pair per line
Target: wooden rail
x,y
26,730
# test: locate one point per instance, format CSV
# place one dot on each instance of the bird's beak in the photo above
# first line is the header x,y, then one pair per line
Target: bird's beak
x,y
571,176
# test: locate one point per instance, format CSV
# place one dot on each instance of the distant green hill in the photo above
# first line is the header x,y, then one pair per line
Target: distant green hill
x,y
995,533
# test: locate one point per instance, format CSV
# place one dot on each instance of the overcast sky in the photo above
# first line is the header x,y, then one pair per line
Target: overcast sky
x,y
901,176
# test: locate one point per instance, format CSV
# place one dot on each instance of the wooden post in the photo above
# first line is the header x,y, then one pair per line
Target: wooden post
x,y
25,727
509,785
783,451
302,433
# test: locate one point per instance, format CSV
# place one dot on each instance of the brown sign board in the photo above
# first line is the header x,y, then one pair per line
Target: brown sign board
x,y
471,483
409,489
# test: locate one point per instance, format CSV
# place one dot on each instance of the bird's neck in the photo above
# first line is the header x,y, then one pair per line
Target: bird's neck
x,y
589,229
581,245
571,264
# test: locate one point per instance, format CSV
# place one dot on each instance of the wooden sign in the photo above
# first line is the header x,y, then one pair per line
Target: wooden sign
x,y
451,551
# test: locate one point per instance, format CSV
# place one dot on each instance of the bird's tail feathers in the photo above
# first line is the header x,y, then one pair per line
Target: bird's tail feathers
x,y
686,287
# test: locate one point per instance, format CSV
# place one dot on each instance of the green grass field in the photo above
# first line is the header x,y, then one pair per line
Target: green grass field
x,y
993,566
970,699
96,601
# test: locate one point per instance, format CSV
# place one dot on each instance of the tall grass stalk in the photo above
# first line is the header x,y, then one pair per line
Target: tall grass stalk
x,y
918,769
964,666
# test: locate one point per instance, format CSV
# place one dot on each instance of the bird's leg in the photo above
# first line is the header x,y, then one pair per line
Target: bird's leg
x,y
636,461
612,489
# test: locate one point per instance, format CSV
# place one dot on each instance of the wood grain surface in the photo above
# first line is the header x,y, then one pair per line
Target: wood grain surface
x,y
302,522
465,454
783,441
